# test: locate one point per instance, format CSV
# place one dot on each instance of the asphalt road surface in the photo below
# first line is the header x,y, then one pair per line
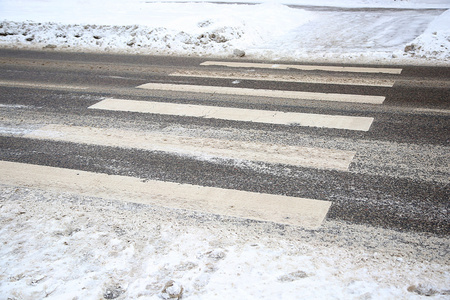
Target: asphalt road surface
x,y
379,158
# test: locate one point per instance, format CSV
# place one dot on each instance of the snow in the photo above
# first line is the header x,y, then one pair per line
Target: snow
x,y
435,41
408,32
63,246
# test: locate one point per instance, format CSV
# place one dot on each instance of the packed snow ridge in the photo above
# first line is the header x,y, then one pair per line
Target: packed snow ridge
x,y
268,30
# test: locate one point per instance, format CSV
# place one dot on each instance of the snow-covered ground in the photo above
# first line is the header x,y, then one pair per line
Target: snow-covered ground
x,y
62,246
408,32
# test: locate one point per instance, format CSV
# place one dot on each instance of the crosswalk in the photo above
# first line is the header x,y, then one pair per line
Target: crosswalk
x,y
299,211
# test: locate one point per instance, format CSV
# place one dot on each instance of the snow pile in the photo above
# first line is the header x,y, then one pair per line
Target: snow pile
x,y
435,41
131,38
188,28
62,246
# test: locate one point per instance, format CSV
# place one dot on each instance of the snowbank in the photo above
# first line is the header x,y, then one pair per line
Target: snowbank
x,y
434,43
410,4
269,30
201,29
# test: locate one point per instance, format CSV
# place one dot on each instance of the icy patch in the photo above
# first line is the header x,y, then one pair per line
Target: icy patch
x,y
16,129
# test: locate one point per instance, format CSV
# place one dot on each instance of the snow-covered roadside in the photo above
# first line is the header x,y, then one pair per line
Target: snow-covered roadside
x,y
63,246
179,28
434,42
269,30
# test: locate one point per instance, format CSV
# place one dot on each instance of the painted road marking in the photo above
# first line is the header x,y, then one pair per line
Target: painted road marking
x,y
432,110
288,78
303,67
198,147
264,93
237,114
308,213
16,106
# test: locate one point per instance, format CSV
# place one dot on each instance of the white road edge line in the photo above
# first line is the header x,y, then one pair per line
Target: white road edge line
x,y
40,85
264,93
308,213
237,114
303,67
194,146
432,110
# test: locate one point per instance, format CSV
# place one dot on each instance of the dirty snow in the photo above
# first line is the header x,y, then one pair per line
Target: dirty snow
x,y
63,246
408,32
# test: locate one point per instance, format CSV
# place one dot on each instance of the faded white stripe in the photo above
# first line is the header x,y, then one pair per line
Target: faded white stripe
x,y
288,78
194,146
40,85
308,213
237,114
302,67
432,110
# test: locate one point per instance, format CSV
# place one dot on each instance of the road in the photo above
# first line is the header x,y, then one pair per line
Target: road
x,y
360,144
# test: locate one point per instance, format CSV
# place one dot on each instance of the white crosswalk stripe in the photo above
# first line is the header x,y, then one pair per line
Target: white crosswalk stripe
x,y
298,78
265,93
303,212
237,114
303,67
277,154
